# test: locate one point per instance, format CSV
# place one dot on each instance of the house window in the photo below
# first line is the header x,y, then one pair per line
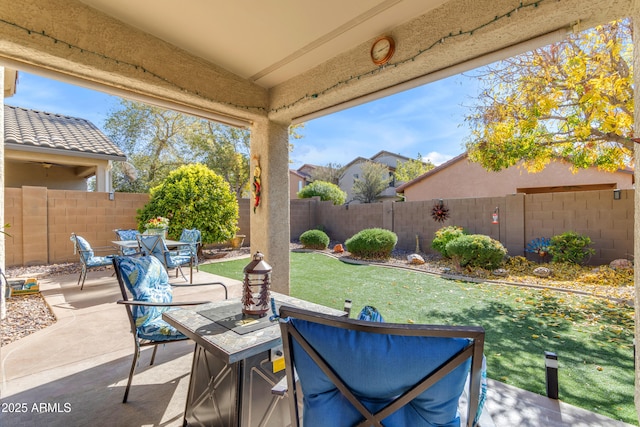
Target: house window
x,y
300,185
392,179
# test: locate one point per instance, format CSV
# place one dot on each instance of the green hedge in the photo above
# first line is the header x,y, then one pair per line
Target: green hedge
x,y
444,236
477,250
314,239
372,243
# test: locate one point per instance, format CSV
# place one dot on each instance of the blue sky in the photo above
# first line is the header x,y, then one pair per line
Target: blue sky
x,y
428,120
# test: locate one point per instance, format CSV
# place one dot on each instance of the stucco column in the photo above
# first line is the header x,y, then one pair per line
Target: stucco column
x,y
3,308
270,229
635,15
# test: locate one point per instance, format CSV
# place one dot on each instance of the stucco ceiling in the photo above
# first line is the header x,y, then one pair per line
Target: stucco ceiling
x,y
265,42
288,60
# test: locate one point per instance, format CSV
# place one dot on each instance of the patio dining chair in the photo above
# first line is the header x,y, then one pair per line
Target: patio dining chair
x,y
194,237
127,234
154,245
146,280
360,373
88,258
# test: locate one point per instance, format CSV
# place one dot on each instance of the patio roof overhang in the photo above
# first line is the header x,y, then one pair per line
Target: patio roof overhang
x,y
234,64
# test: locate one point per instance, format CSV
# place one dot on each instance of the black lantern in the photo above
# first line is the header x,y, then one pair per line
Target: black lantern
x,y
255,291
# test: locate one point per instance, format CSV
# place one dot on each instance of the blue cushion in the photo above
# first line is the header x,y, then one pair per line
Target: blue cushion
x,y
147,280
85,248
97,261
127,234
192,236
377,367
158,330
87,254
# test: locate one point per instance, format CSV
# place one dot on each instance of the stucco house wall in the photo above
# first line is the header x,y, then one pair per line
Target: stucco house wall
x,y
296,182
460,178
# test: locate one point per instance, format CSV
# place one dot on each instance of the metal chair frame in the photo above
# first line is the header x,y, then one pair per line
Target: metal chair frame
x,y
123,250
473,350
140,342
194,247
153,245
83,258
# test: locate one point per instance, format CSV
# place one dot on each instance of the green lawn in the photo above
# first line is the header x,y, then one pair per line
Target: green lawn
x,y
593,338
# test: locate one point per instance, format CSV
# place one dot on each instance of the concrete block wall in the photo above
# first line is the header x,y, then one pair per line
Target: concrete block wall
x,y
42,220
13,217
608,222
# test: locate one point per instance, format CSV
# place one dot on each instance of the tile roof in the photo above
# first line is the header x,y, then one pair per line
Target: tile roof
x,y
34,130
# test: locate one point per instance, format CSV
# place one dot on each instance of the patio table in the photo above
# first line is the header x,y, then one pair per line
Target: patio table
x,y
133,244
233,363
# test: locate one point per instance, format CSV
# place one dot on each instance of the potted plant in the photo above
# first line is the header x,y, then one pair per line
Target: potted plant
x,y
157,226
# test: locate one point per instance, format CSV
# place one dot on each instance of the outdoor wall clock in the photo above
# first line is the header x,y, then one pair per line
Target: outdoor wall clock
x,y
382,50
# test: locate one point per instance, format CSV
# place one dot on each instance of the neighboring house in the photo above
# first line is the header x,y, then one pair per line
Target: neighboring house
x,y
460,178
353,171
299,178
55,151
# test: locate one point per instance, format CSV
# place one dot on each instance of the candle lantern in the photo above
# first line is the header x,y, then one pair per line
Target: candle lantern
x,y
255,291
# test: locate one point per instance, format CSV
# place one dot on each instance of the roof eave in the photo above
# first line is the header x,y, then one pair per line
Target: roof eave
x,y
63,152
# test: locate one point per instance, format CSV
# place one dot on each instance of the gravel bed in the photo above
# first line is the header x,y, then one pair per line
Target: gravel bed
x,y
26,314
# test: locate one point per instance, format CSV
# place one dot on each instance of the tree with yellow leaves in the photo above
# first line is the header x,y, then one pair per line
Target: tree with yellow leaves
x,y
571,100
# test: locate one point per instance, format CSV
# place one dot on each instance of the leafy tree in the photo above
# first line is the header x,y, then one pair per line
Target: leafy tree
x,y
194,196
225,150
331,172
157,141
154,140
375,179
325,190
411,169
571,100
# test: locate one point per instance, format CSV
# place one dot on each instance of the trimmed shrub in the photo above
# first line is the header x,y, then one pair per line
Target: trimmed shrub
x,y
314,239
325,190
570,247
476,250
193,196
372,243
444,236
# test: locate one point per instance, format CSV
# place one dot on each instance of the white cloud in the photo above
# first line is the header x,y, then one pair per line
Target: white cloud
x,y
437,158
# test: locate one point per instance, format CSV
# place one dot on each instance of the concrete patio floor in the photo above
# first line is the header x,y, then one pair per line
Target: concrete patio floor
x,y
73,373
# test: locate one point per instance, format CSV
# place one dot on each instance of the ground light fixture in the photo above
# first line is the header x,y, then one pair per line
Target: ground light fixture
x,y
551,365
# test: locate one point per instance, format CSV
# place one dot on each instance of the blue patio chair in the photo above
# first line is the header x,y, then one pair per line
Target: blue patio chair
x,y
194,237
88,259
360,373
146,279
127,234
153,245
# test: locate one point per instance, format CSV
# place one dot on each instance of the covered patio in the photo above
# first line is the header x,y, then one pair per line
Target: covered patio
x,y
264,67
80,377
